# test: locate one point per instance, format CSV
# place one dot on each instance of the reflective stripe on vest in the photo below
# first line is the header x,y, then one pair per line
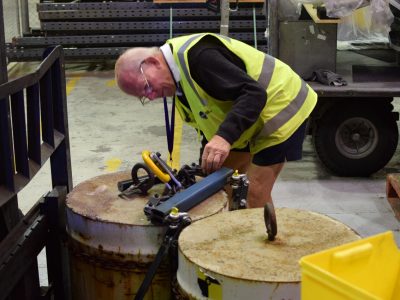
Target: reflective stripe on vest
x,y
181,57
285,114
266,72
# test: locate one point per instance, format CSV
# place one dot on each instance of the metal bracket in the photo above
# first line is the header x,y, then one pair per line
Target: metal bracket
x,y
240,187
189,197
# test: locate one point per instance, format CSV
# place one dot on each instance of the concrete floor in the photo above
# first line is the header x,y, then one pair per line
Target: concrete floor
x,y
108,131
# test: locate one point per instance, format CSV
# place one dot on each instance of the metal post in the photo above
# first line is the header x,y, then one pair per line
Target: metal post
x,y
57,261
9,210
273,28
170,21
3,56
255,26
9,214
224,27
17,17
24,16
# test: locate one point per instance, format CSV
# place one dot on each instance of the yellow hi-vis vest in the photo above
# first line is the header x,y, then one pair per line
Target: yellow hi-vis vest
x,y
289,99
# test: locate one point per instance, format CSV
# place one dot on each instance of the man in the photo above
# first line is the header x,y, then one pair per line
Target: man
x,y
250,107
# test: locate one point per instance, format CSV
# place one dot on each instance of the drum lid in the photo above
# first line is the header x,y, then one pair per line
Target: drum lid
x,y
235,243
97,199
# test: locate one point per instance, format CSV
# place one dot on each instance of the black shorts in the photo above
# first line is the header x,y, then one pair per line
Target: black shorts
x,y
289,150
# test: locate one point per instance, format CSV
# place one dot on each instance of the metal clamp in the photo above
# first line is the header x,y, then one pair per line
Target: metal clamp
x,y
148,159
240,187
175,218
176,223
162,170
137,184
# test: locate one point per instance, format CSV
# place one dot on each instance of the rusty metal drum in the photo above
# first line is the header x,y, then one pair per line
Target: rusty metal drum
x,y
112,243
229,256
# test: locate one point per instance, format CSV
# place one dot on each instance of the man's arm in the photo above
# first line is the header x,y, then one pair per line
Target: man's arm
x,y
222,75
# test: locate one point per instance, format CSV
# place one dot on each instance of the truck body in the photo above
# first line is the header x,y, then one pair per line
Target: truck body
x,y
354,127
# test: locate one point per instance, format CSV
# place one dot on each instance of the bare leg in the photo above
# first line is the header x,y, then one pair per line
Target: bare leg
x,y
262,179
238,161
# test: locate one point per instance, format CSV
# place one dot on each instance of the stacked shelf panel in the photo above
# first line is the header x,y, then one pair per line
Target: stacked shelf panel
x,y
102,30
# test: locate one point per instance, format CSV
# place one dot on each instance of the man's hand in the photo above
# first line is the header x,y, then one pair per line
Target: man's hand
x,y
214,154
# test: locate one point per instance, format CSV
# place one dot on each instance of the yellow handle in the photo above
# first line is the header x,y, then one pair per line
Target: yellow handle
x,y
156,170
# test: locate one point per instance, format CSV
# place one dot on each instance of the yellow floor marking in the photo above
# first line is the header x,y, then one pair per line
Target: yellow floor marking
x,y
71,83
111,83
113,164
176,163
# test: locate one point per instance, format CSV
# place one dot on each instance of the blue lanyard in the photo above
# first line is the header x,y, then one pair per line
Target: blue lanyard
x,y
170,125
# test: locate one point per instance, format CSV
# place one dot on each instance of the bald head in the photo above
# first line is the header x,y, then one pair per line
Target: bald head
x,y
127,67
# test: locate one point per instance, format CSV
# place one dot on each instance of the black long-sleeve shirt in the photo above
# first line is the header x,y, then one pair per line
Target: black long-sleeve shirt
x,y
223,76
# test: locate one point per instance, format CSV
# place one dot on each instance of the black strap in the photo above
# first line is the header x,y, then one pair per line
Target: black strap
x,y
170,125
151,272
169,245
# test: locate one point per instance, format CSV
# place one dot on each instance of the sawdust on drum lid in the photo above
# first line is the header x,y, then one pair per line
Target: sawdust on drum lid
x,y
97,199
235,244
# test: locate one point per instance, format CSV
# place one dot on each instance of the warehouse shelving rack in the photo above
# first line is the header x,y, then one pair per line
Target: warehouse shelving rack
x,y
101,30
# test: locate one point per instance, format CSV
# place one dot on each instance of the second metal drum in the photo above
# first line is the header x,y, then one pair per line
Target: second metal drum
x,y
228,256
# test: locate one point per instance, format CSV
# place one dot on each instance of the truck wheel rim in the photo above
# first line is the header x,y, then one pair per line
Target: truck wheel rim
x,y
356,138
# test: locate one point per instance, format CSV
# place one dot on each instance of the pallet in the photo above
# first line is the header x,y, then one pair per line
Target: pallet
x,y
393,192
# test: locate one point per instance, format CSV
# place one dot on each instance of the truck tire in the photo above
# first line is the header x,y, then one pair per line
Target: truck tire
x,y
355,140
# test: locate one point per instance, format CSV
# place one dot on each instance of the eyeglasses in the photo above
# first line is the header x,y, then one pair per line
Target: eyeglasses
x,y
148,88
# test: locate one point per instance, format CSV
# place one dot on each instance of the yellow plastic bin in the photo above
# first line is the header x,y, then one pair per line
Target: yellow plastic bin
x,y
364,269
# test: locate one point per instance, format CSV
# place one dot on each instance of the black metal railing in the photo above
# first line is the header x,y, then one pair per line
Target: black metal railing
x,y
33,129
20,140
